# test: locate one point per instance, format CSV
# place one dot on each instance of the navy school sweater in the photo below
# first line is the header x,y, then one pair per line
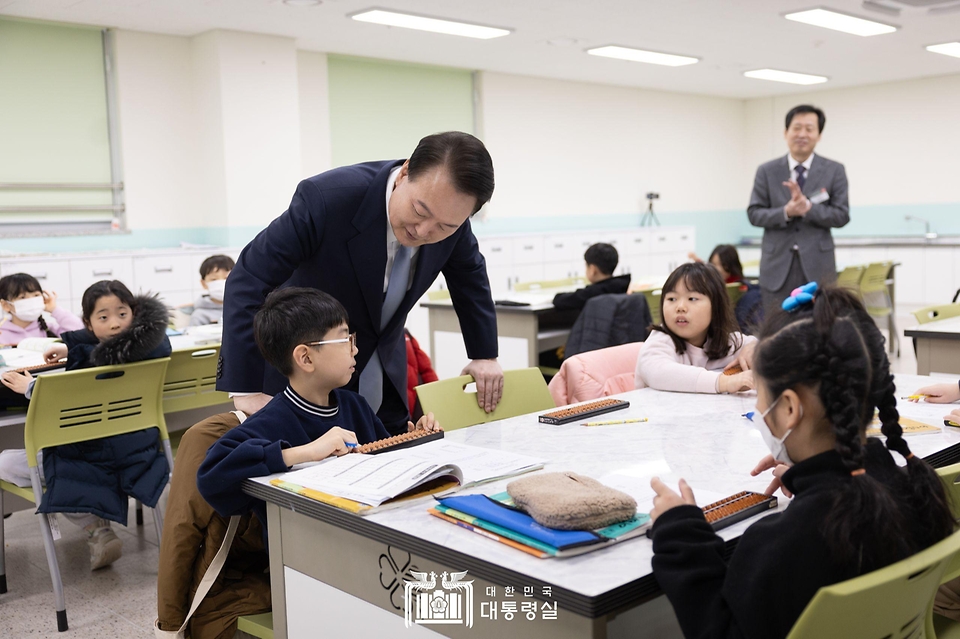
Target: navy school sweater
x,y
253,449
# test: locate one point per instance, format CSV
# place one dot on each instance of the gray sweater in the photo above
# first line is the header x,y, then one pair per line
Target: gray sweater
x,y
206,311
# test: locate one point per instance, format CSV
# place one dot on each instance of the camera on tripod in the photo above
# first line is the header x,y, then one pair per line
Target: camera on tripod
x,y
653,196
650,218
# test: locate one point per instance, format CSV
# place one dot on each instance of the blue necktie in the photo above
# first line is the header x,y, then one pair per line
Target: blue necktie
x,y
371,378
801,179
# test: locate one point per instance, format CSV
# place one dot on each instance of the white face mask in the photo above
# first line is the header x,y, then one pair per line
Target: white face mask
x,y
28,309
216,288
776,446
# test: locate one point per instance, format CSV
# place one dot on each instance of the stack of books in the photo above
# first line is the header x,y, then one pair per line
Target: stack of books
x,y
498,518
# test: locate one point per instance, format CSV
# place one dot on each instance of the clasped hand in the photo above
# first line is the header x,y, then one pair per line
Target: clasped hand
x,y
799,205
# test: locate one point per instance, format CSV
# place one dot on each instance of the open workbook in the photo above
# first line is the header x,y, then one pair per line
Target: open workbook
x,y
360,483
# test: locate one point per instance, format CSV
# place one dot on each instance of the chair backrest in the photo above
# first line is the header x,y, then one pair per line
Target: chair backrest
x,y
652,296
191,380
735,291
891,602
850,277
583,377
934,313
539,284
524,391
93,403
873,289
438,296
950,476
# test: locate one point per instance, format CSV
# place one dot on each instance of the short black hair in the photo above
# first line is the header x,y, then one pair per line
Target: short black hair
x,y
465,158
807,108
216,262
293,316
603,256
103,288
17,284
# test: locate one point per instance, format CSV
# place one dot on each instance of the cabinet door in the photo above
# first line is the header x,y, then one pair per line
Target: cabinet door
x,y
167,275
528,249
635,243
501,279
86,271
53,275
561,248
497,251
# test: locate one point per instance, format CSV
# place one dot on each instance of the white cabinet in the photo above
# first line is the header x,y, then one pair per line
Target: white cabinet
x,y
169,276
53,276
528,250
938,283
86,271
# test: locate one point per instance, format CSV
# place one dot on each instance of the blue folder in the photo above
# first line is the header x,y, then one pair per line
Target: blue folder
x,y
485,508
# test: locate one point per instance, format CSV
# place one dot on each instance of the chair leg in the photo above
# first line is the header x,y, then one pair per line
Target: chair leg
x,y
51,551
3,570
139,513
158,522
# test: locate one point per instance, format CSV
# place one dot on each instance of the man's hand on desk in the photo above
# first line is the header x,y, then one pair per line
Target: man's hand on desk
x,y
17,382
251,403
799,205
55,353
489,378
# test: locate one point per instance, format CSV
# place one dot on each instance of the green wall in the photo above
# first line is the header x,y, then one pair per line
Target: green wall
x,y
379,110
53,112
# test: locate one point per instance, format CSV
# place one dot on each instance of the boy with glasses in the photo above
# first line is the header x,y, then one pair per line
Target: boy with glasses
x,y
303,333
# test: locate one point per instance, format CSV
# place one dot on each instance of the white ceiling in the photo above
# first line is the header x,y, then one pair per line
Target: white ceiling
x,y
729,36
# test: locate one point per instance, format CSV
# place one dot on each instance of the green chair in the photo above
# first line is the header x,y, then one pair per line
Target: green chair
x,y
524,391
191,380
539,284
653,302
950,475
934,313
875,291
439,296
894,602
850,277
735,291
80,406
260,626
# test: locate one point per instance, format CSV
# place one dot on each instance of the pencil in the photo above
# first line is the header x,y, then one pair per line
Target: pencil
x,y
616,421
915,397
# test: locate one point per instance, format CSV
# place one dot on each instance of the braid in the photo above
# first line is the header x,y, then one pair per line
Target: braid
x,y
43,325
841,396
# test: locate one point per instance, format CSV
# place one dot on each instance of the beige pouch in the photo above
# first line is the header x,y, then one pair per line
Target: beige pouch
x,y
568,501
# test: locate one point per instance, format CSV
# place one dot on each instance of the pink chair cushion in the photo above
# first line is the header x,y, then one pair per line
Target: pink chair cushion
x,y
595,374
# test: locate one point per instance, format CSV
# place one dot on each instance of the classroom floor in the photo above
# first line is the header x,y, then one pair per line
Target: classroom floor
x,y
120,601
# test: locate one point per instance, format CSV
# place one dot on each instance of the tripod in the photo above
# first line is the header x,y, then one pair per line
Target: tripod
x,y
649,218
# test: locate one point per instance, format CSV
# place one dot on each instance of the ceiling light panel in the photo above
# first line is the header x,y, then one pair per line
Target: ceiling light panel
x,y
640,55
423,23
785,76
840,22
947,48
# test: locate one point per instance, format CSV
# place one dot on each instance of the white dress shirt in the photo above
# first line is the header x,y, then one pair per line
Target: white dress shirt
x,y
393,244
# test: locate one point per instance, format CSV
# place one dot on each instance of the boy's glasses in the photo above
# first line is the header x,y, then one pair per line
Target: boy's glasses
x,y
352,338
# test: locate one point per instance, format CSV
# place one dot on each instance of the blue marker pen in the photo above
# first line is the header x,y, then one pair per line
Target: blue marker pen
x,y
350,445
748,415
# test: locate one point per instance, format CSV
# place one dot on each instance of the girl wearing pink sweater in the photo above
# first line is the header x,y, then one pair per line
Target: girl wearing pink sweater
x,y
697,338
29,311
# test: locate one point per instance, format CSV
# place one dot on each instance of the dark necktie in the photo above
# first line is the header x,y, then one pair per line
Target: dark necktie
x,y
801,179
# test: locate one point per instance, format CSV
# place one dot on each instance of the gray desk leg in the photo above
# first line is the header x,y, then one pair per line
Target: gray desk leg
x,y
278,600
510,324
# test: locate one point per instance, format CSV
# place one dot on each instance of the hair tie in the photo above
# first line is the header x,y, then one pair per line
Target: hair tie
x,y
857,472
800,296
909,457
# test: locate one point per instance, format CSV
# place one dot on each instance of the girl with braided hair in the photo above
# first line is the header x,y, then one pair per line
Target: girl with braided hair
x,y
818,380
29,311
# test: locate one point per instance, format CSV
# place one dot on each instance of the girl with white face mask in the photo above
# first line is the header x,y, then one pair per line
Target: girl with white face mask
x,y
819,374
29,311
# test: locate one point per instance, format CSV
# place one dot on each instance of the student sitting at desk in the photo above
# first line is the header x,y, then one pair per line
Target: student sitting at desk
x,y
601,262
853,511
208,309
120,328
696,339
29,311
304,333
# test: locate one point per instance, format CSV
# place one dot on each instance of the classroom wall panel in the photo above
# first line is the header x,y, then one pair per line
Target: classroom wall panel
x,y
312,84
380,109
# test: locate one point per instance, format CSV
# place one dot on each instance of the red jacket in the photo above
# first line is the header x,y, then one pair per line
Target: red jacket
x,y
419,369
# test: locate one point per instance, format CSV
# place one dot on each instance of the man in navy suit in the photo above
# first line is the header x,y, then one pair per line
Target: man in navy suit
x,y
375,236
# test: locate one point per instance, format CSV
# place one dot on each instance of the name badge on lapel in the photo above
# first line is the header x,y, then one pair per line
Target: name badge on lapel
x,y
821,197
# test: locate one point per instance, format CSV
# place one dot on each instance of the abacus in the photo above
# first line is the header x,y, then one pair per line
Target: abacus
x,y
41,368
584,411
406,440
737,507
733,370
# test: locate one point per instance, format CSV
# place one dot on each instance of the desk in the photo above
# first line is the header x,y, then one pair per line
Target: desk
x,y
938,346
539,325
327,563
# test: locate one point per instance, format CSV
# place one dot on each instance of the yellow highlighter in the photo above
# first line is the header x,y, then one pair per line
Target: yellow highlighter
x,y
915,398
616,421
948,422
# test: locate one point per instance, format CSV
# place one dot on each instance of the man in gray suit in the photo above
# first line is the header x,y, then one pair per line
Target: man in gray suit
x,y
797,199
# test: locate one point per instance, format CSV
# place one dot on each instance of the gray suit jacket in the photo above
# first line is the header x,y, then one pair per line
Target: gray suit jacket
x,y
810,233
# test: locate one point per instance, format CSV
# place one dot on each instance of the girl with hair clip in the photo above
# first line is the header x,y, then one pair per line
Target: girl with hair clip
x,y
819,377
29,311
696,339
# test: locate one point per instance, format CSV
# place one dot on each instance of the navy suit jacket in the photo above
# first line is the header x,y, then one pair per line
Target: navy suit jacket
x,y
333,238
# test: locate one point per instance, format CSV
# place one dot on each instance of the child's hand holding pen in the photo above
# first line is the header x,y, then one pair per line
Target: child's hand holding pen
x,y
335,441
937,394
